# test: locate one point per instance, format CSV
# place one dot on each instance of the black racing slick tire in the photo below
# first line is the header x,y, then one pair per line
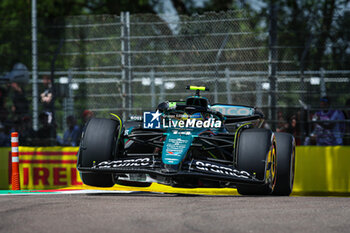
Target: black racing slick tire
x,y
285,164
98,144
257,155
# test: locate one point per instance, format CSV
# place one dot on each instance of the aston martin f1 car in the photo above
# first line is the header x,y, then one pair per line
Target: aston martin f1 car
x,y
190,144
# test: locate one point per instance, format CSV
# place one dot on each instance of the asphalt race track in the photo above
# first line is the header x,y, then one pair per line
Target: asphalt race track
x,y
151,212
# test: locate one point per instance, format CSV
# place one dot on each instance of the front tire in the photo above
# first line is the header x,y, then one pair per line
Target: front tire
x,y
98,144
257,155
285,164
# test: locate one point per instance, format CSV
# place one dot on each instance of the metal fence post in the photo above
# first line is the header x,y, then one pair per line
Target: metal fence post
x,y
122,40
153,90
228,86
162,94
70,94
65,113
304,111
273,61
258,88
128,69
34,66
323,83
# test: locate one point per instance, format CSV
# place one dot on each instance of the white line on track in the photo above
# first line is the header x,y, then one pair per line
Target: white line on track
x,y
10,193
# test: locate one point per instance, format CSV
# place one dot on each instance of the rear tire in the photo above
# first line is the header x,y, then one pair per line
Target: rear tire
x,y
98,144
257,155
285,164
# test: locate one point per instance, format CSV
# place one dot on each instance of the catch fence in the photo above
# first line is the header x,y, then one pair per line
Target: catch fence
x,y
128,64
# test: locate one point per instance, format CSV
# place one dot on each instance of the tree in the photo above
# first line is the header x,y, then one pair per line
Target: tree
x,y
319,24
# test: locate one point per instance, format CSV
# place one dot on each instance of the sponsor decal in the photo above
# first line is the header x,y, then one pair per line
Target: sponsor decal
x,y
182,132
177,153
141,162
135,118
175,148
209,167
43,167
233,110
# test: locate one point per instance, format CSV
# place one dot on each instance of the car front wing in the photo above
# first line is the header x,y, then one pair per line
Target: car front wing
x,y
194,168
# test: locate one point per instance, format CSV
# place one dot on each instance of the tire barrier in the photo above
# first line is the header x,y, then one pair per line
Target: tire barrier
x,y
322,170
41,167
318,170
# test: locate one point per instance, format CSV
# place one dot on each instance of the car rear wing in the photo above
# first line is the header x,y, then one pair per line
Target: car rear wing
x,y
238,113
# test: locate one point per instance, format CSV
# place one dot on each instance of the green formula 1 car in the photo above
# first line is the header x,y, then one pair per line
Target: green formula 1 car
x,y
189,144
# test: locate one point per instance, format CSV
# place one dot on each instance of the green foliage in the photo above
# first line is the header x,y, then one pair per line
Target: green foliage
x,y
312,33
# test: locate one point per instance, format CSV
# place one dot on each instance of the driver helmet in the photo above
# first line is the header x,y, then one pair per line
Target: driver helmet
x,y
163,106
